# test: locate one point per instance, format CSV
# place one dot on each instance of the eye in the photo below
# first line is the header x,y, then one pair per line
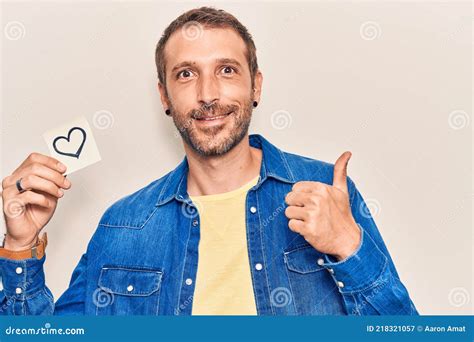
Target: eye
x,y
184,74
228,70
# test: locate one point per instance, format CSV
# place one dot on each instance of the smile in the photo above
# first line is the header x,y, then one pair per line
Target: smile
x,y
212,118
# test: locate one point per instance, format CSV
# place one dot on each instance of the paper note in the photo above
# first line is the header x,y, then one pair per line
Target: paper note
x,y
73,145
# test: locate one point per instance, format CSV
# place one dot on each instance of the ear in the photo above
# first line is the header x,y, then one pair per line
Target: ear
x,y
257,91
163,95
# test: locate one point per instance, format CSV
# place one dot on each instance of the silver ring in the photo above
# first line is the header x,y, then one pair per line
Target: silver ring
x,y
19,187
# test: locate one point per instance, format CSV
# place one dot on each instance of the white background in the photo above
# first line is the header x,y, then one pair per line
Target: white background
x,y
389,81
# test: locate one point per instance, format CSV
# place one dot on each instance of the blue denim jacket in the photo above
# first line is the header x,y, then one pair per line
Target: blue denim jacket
x,y
143,257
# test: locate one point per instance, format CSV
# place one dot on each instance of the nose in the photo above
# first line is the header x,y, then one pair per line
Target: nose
x,y
208,89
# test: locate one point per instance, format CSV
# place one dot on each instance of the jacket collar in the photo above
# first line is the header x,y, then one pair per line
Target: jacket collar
x,y
274,165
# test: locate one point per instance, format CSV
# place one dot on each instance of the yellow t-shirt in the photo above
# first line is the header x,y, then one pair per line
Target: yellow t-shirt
x,y
223,281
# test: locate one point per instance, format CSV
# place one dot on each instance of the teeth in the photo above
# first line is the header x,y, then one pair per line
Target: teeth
x,y
213,118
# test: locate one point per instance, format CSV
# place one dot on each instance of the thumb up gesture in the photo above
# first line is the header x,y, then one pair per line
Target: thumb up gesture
x,y
321,213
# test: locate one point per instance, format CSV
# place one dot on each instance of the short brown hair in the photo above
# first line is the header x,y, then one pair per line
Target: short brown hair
x,y
207,17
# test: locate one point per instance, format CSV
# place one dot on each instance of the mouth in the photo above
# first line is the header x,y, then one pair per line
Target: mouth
x,y
213,118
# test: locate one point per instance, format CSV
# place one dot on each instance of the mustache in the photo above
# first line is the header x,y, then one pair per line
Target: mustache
x,y
215,109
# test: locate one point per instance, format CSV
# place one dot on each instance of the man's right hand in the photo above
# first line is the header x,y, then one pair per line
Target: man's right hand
x,y
26,213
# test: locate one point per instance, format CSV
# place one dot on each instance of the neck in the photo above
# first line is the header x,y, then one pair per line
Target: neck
x,y
210,175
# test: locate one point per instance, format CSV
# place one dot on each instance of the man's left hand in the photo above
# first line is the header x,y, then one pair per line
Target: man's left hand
x,y
321,213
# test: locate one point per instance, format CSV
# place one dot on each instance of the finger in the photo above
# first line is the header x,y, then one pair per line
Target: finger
x,y
299,213
29,197
299,199
42,171
36,183
48,161
340,171
296,225
303,186
310,187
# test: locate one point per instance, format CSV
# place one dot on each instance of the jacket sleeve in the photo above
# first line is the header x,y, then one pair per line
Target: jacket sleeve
x,y
367,279
25,291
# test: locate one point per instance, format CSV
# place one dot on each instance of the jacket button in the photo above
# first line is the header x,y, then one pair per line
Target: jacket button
x,y
320,261
258,266
19,270
340,284
195,223
130,288
18,290
253,210
331,270
189,281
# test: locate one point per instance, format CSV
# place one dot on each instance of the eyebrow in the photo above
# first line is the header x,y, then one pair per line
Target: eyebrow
x,y
219,61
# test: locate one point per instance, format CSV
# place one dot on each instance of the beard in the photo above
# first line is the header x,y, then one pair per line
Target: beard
x,y
215,140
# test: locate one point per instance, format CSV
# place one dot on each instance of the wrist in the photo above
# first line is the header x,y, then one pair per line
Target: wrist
x,y
350,244
12,244
22,251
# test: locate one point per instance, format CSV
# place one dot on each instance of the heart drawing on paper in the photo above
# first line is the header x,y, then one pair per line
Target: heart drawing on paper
x,y
68,140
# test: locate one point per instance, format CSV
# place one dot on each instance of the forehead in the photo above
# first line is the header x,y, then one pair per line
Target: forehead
x,y
204,45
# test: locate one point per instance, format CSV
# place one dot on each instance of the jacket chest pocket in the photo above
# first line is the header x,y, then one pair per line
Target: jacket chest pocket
x,y
127,291
314,290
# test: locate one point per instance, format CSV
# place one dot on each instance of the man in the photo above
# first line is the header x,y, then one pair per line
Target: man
x,y
239,227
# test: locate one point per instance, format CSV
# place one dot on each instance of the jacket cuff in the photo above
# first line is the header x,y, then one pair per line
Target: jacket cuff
x,y
361,269
22,278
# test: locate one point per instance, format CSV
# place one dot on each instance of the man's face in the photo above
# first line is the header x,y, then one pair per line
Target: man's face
x,y
209,89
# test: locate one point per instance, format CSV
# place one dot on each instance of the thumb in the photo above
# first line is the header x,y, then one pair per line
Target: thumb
x,y
340,171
